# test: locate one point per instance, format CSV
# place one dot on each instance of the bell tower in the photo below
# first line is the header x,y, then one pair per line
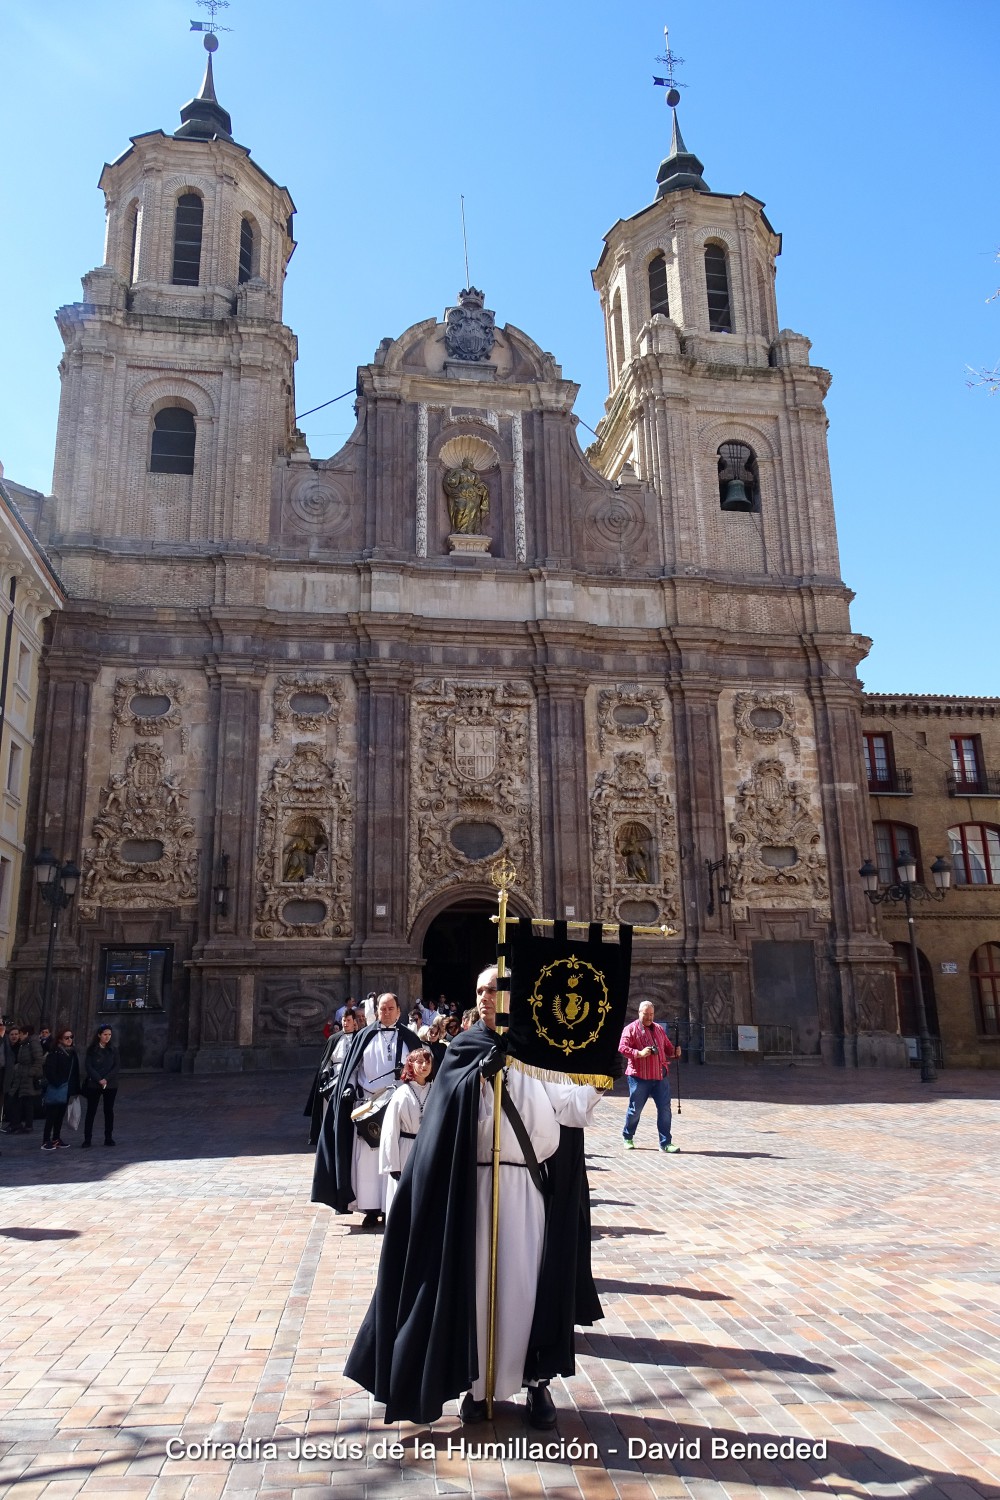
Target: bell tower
x,y
711,404
177,377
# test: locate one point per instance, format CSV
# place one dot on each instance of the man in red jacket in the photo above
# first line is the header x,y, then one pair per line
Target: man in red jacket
x,y
647,1050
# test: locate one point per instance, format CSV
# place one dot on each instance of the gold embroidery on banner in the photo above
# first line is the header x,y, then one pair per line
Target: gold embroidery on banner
x,y
569,1009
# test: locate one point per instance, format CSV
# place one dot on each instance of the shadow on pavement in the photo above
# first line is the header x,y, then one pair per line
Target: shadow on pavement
x,y
658,1289
706,1356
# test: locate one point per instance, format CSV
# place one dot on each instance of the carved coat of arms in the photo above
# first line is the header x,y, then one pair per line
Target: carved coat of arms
x,y
469,331
475,752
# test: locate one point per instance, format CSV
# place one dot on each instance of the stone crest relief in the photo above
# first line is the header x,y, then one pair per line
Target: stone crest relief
x,y
472,787
304,847
634,843
145,854
469,328
776,841
147,702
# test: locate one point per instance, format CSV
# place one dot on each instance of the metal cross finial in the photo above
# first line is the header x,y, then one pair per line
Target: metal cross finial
x,y
672,62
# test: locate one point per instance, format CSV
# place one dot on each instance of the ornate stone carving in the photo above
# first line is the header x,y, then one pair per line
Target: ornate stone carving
x,y
469,330
304,848
616,523
147,685
317,505
220,1010
140,813
292,710
635,856
292,1010
765,718
874,997
719,1008
776,839
628,712
473,762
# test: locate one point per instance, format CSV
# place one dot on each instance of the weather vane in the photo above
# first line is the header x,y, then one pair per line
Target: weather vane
x,y
672,61
209,26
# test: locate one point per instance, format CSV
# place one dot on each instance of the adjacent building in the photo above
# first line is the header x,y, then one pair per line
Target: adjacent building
x,y
933,770
30,591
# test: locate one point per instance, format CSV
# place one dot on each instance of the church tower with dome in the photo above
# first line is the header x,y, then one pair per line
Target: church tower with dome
x,y
297,706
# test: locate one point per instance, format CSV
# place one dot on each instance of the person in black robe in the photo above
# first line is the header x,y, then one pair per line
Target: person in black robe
x,y
332,1174
417,1346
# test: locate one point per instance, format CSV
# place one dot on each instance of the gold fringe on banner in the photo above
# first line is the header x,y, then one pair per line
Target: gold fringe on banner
x,y
553,1075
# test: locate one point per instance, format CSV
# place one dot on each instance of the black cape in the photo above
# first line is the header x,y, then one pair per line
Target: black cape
x,y
417,1347
335,1151
314,1104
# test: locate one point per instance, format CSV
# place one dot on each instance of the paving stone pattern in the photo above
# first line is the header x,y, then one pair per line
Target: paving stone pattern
x,y
819,1263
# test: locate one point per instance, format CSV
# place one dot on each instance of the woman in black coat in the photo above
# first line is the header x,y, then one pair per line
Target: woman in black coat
x,y
62,1080
100,1084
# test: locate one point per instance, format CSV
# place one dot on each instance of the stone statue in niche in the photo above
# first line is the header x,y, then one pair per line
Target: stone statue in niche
x,y
635,851
303,850
468,500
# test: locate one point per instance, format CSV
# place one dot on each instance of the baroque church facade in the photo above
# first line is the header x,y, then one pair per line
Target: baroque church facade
x,y
295,708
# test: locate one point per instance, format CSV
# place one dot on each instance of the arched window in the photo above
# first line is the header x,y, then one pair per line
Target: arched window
x,y
975,854
172,448
984,971
659,301
618,332
187,239
246,251
133,244
720,317
895,841
739,481
906,1005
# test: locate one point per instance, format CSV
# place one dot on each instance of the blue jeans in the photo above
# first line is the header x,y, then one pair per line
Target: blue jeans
x,y
641,1089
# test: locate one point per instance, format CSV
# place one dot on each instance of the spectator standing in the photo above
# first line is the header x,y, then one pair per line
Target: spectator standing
x,y
100,1084
648,1052
25,1081
403,1116
61,1070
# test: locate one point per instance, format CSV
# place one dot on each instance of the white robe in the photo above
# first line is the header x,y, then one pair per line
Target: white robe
x,y
404,1113
375,1073
543,1107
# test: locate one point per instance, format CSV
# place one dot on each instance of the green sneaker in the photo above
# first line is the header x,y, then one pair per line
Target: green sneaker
x,y
629,1144
671,1148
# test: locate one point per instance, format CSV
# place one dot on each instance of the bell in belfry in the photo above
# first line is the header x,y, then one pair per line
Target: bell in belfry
x,y
736,497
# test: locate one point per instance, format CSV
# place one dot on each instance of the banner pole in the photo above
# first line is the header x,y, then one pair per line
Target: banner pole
x,y
503,876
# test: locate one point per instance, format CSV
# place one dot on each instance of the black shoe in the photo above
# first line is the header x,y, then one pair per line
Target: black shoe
x,y
110,1142
85,1143
541,1409
370,1220
471,1410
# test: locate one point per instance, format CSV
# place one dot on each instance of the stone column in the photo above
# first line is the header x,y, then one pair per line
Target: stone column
x,y
381,956
223,974
55,818
564,815
864,1032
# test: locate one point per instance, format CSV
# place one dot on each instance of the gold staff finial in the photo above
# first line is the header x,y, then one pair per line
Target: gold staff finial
x,y
503,874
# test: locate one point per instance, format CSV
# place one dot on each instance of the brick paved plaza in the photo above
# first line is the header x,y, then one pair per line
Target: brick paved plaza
x,y
819,1265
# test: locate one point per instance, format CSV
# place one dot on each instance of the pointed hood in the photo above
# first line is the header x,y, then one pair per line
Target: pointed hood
x,y
203,118
681,169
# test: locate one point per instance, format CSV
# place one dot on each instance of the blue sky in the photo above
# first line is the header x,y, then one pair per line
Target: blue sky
x,y
868,129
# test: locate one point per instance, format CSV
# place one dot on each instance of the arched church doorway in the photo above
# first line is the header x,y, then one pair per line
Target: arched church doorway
x,y
460,942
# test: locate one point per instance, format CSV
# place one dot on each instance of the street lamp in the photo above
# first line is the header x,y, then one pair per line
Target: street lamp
x,y
907,889
712,868
57,885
